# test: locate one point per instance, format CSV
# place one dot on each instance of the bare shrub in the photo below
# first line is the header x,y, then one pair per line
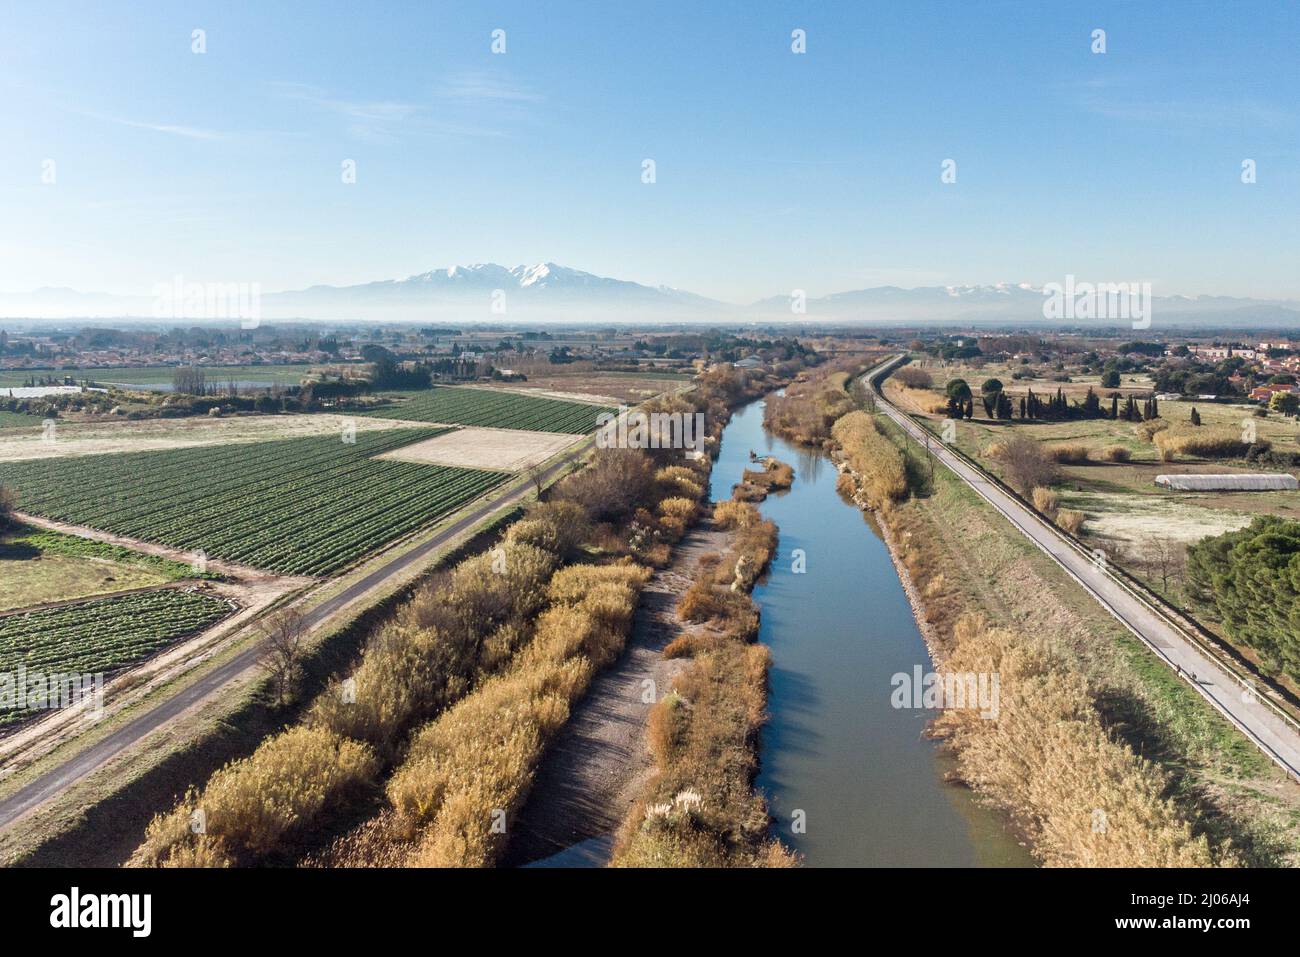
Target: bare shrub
x,y
1147,430
914,377
612,486
1025,463
1117,453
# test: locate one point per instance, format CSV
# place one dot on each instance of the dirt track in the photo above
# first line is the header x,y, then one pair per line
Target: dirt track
x,y
591,776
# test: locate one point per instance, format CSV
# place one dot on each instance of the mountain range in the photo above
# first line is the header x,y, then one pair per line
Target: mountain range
x,y
488,292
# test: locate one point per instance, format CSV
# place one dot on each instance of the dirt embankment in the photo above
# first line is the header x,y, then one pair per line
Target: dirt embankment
x,y
598,766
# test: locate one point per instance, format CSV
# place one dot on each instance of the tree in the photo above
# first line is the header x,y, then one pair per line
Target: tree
x,y
189,380
1196,416
1251,578
1165,559
989,393
958,392
281,657
1025,464
537,477
1288,403
8,502
1110,379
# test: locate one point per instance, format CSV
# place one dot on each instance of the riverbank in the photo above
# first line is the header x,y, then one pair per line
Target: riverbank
x,y
850,778
700,808
978,589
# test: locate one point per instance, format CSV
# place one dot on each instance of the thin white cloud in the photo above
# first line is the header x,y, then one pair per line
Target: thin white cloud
x,y
171,129
365,111
485,87
384,119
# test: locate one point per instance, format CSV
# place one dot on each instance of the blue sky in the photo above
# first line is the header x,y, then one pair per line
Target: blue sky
x,y
775,171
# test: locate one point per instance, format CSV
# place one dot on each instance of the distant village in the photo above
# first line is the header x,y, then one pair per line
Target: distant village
x,y
1179,366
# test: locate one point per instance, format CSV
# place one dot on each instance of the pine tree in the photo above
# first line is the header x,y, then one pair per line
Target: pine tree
x,y
1196,416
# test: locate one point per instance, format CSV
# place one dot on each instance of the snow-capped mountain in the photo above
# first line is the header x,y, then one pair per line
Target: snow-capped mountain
x,y
490,292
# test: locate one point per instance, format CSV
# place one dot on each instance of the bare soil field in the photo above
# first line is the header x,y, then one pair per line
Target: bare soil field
x,y
625,388
110,436
500,450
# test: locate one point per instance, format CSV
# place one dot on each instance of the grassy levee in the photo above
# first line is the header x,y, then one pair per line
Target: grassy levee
x,y
1152,774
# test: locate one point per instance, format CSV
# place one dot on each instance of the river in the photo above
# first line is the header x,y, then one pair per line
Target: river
x,y
851,780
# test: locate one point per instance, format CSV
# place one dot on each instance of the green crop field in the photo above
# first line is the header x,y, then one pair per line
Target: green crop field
x,y
100,636
161,375
300,506
19,420
499,410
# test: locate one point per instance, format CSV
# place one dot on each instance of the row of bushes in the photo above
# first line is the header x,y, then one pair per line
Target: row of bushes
x,y
468,772
1203,443
454,630
699,808
877,469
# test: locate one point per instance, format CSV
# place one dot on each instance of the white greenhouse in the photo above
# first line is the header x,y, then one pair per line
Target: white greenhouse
x,y
1267,482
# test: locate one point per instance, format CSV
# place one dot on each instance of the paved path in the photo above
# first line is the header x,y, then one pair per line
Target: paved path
x,y
1271,732
53,782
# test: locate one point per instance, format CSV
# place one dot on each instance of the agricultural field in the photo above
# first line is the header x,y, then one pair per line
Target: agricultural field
x,y
38,566
113,435
162,375
490,408
580,381
504,450
102,635
307,506
19,420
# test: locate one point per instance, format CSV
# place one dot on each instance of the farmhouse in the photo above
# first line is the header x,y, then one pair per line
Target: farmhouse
x,y
1269,481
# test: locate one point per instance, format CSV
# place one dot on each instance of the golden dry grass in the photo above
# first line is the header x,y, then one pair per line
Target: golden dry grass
x,y
876,463
1087,798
